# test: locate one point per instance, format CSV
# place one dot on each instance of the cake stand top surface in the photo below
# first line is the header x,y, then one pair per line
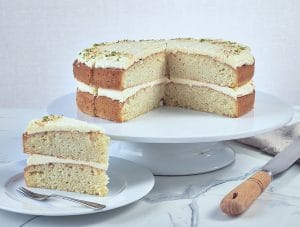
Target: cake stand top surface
x,y
177,125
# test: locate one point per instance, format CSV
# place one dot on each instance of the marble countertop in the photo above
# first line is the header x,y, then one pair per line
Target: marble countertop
x,y
174,201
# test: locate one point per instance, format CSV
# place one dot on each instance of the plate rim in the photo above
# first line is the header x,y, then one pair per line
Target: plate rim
x,y
15,165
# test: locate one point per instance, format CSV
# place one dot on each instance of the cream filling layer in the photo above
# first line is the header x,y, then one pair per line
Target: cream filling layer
x,y
243,90
35,159
87,88
119,95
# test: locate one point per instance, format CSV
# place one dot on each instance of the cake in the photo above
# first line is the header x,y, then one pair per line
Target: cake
x,y
121,80
66,154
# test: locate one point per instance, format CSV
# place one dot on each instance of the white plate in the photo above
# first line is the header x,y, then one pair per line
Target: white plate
x,y
128,183
177,125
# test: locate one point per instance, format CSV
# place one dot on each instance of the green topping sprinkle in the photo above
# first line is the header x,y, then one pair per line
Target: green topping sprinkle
x,y
205,40
51,118
229,48
89,53
111,54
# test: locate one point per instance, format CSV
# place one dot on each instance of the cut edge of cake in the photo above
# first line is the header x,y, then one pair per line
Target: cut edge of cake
x,y
208,100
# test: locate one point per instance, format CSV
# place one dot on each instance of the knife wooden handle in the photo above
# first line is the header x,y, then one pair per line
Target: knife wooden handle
x,y
240,198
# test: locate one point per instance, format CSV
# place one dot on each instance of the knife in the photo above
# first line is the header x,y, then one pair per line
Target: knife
x,y
240,198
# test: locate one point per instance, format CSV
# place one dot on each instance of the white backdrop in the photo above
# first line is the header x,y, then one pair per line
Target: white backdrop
x,y
40,39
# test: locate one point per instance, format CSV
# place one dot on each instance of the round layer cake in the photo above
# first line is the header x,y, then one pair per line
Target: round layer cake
x,y
121,80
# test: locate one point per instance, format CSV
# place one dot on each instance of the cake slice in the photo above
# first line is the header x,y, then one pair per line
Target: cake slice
x,y
121,80
66,154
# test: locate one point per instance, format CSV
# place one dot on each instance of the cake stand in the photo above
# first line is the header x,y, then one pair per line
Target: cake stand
x,y
176,141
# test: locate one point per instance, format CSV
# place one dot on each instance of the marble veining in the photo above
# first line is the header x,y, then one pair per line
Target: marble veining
x,y
172,220
194,213
192,192
28,221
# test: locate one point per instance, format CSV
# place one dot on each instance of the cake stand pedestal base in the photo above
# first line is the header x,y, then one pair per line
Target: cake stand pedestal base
x,y
175,159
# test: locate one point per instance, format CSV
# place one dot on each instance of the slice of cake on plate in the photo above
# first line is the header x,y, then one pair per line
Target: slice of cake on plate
x,y
121,80
66,154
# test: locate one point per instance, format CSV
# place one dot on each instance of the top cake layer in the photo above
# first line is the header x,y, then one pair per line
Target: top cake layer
x,y
125,64
123,54
60,123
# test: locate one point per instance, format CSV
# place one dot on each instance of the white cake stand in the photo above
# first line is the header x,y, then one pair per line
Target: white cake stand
x,y
175,141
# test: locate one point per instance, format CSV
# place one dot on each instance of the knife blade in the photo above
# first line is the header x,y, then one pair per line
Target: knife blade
x,y
240,198
283,160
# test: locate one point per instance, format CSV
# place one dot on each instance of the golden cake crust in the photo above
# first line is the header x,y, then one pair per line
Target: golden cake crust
x,y
245,104
107,78
86,102
108,109
101,106
245,74
82,72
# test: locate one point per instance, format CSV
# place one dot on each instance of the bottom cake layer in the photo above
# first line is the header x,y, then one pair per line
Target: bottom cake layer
x,y
67,177
207,100
173,94
142,102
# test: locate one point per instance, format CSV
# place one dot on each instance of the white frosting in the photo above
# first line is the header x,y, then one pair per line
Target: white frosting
x,y
122,95
231,53
60,123
87,88
35,159
119,95
121,54
119,61
233,92
89,62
